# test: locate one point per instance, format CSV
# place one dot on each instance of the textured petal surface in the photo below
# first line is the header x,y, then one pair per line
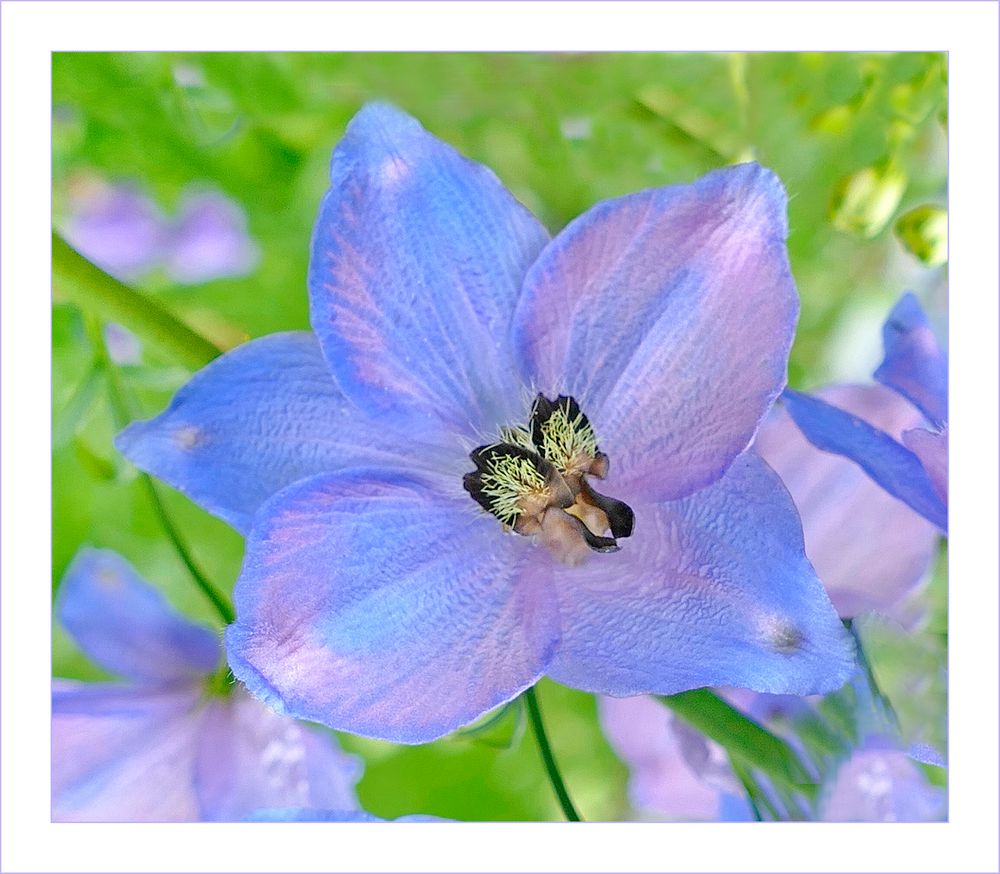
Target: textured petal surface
x,y
932,450
869,549
668,315
378,606
417,259
914,363
711,590
250,757
658,750
887,462
122,754
880,784
126,626
254,421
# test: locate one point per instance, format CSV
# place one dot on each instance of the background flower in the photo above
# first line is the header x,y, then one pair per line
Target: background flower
x,y
170,743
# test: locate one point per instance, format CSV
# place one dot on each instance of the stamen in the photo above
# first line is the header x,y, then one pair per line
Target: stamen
x,y
534,480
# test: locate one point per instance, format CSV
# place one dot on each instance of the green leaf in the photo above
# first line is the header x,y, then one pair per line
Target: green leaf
x,y
741,736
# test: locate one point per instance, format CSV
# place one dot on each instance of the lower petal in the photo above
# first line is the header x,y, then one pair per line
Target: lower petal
x,y
932,450
384,608
711,590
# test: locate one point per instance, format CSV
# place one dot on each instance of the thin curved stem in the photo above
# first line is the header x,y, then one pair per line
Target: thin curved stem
x,y
551,768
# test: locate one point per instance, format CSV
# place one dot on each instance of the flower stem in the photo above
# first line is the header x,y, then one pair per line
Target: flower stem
x,y
551,768
96,292
120,409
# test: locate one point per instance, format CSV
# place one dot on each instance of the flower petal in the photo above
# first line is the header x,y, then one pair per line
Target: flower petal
x,y
914,363
380,606
122,754
417,259
668,315
249,757
894,467
869,549
932,450
711,590
126,626
209,240
254,421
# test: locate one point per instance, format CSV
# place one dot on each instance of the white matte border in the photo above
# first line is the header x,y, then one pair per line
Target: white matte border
x,y
31,31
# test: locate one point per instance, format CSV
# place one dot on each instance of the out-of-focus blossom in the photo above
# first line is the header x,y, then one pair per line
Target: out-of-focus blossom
x,y
915,467
120,229
299,814
870,550
374,597
167,744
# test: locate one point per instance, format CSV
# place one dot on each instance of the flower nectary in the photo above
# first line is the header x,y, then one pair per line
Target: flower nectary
x,y
534,480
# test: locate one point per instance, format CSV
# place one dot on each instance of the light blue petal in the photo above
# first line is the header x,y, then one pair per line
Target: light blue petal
x,y
250,757
668,315
254,421
126,626
914,363
381,606
890,464
124,754
712,590
418,256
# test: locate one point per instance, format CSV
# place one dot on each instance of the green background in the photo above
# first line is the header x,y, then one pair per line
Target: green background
x,y
860,141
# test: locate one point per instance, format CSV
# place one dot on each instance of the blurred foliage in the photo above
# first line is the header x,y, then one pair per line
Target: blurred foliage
x,y
858,139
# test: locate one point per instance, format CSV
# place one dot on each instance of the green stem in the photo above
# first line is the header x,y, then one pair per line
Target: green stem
x,y
551,768
95,291
741,736
123,415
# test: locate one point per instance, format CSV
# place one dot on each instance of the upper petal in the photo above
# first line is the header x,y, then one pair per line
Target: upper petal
x,y
668,315
418,255
914,363
869,549
384,608
250,757
128,627
123,754
711,590
890,464
254,421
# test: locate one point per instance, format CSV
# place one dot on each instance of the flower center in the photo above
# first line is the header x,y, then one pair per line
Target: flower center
x,y
534,480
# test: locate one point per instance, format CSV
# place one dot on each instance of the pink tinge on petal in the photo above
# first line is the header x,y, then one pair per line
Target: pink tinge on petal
x,y
931,447
668,315
870,550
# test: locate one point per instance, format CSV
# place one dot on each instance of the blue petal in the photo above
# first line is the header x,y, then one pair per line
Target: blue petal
x,y
379,606
668,315
914,363
254,421
417,259
126,626
887,462
122,754
712,590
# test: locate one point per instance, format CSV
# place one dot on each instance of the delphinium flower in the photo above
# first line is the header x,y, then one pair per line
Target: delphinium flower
x,y
174,741
120,229
871,551
677,774
914,468
502,456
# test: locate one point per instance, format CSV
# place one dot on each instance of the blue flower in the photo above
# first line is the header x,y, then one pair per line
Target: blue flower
x,y
418,477
163,745
915,469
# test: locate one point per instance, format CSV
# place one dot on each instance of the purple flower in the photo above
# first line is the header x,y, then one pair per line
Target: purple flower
x,y
870,550
914,468
394,588
164,745
121,230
